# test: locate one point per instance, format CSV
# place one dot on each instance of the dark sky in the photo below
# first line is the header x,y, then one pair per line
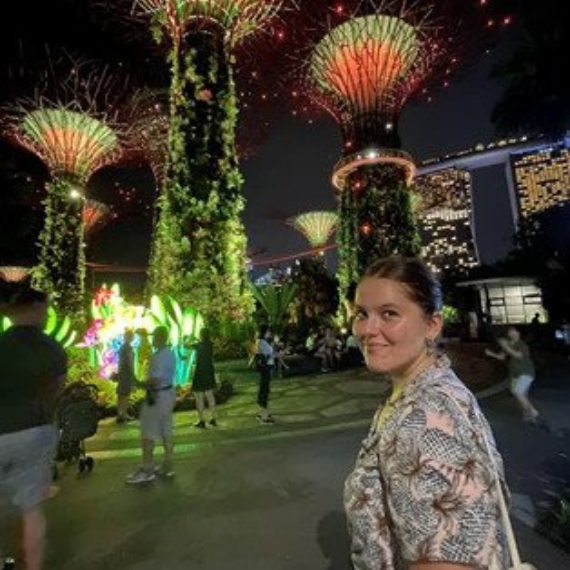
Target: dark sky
x,y
290,172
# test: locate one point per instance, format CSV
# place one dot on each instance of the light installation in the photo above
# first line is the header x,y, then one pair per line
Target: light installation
x,y
112,315
74,134
94,216
317,227
14,273
372,57
199,246
362,72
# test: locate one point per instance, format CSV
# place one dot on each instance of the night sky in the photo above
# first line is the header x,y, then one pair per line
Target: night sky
x,y
290,172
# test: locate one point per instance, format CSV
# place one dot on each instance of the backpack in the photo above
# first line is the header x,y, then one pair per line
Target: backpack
x,y
260,362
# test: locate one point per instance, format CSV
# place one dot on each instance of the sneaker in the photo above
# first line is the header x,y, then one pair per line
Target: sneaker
x,y
164,471
201,424
268,421
140,476
9,564
213,422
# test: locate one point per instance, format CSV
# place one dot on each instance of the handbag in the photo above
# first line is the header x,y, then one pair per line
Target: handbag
x,y
512,545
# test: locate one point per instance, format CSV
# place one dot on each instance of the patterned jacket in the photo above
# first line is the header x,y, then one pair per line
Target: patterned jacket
x,y
422,489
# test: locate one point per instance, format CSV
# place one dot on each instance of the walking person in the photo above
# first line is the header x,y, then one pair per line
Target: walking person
x,y
521,371
157,411
265,357
33,368
204,382
424,491
126,378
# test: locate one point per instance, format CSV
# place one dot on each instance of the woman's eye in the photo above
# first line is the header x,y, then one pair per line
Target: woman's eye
x,y
389,314
359,315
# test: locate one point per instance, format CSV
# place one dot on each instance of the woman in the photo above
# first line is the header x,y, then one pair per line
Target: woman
x,y
204,381
521,371
421,495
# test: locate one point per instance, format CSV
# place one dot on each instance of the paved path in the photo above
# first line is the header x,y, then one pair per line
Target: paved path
x,y
253,497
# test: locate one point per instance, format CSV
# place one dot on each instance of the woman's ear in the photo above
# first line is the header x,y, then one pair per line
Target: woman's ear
x,y
435,325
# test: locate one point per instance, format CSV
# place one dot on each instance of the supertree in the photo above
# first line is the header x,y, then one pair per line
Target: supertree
x,y
14,274
73,130
362,71
317,227
95,215
199,246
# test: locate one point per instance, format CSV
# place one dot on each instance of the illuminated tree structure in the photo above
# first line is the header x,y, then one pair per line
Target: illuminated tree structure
x,y
199,248
95,215
14,274
317,227
75,133
362,73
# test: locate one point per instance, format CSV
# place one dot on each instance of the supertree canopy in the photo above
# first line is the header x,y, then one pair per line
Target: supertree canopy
x,y
74,131
362,70
199,247
317,227
14,274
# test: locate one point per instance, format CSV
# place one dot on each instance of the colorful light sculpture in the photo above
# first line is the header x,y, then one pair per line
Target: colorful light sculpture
x,y
112,315
75,133
95,215
199,246
317,227
14,274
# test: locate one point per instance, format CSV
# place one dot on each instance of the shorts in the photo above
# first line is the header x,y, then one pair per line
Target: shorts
x,y
156,420
521,384
26,465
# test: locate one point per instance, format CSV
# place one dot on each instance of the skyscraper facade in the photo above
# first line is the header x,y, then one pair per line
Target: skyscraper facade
x,y
446,220
541,178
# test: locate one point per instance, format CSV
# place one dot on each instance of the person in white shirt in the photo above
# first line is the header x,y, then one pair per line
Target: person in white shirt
x,y
266,360
157,411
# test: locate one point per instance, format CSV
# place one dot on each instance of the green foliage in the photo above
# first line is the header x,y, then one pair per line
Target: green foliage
x,y
60,271
231,338
199,244
450,314
376,220
275,300
316,299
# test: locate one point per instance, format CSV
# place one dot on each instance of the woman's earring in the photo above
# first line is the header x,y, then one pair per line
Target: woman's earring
x,y
430,346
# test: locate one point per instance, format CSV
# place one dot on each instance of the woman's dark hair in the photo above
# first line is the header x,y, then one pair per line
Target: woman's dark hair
x,y
205,333
263,329
411,272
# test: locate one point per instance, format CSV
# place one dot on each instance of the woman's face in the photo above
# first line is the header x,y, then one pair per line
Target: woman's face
x,y
390,327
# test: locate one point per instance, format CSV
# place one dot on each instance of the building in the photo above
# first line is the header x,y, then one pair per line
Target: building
x,y
445,220
509,300
541,178
535,174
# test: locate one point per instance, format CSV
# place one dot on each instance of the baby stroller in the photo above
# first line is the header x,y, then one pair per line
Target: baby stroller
x,y
77,418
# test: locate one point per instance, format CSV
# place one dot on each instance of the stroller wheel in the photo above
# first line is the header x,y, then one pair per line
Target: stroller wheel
x,y
89,463
82,465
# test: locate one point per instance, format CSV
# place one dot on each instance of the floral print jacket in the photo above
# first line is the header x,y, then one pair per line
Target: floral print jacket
x,y
423,488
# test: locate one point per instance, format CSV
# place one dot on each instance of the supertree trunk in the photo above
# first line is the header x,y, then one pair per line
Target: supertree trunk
x,y
376,220
60,271
199,254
